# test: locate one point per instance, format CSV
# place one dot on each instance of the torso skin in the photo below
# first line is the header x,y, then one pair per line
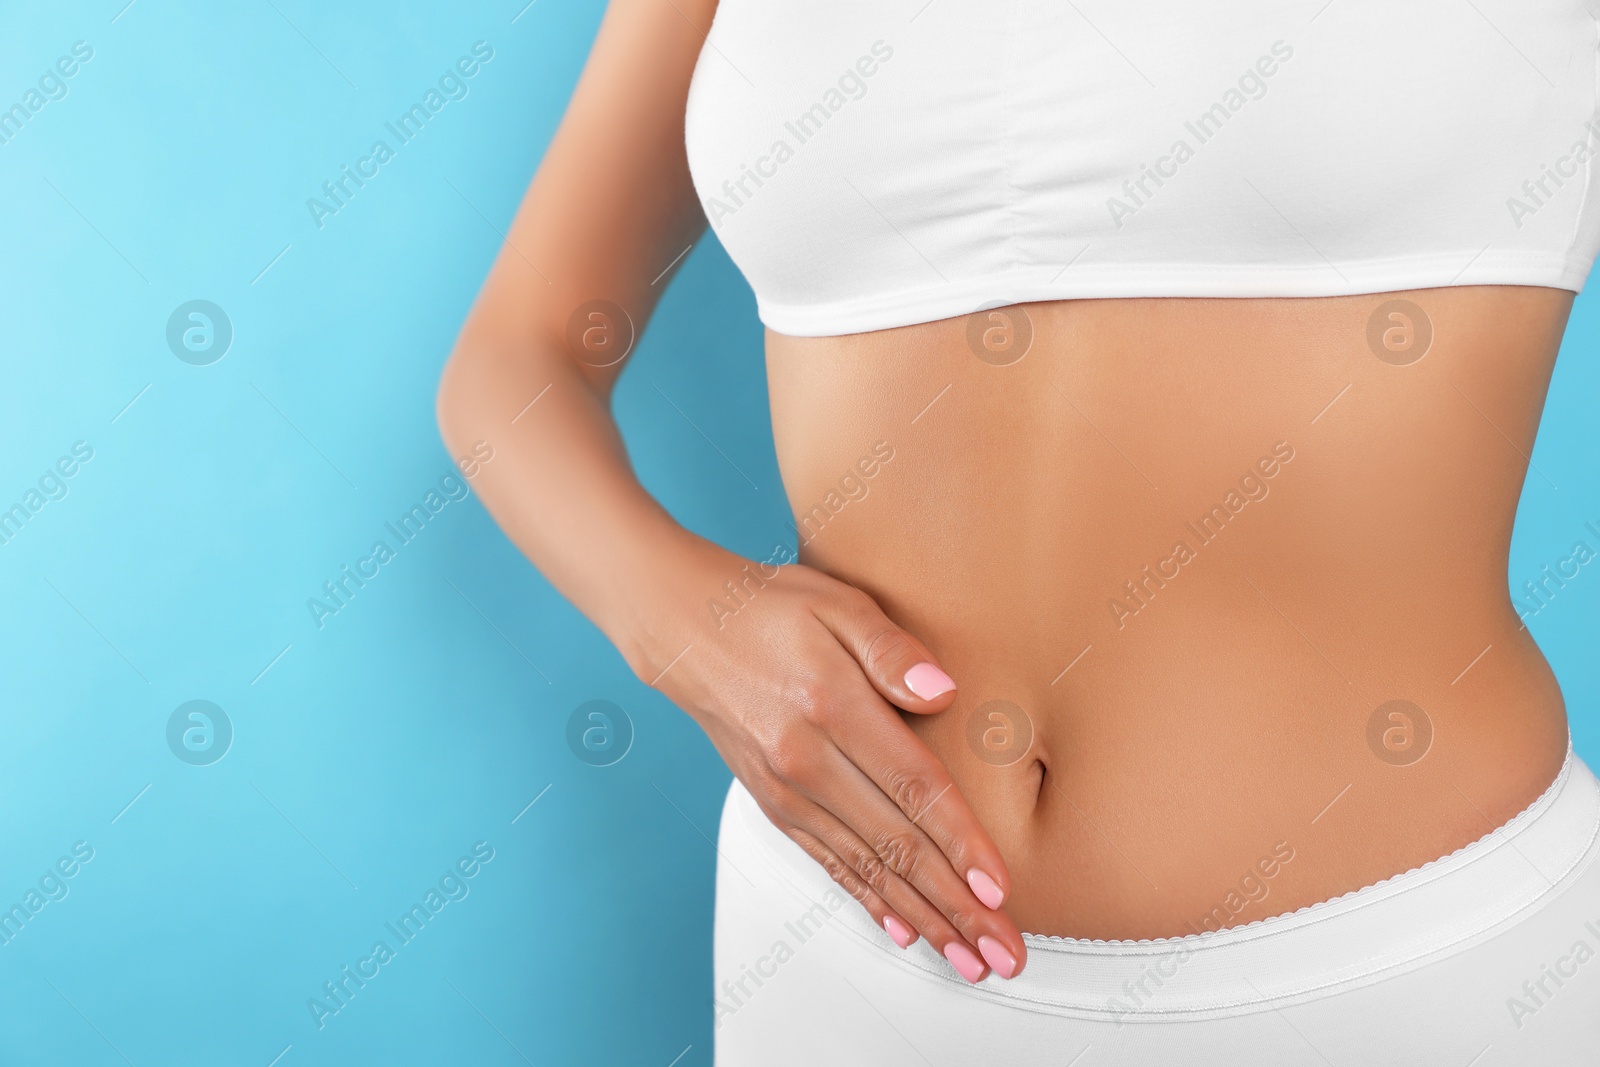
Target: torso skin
x,y
1200,756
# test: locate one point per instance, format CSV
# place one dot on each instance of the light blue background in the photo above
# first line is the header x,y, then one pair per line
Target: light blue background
x,y
370,754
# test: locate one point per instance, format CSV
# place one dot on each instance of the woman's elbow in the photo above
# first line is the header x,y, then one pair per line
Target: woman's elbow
x,y
453,403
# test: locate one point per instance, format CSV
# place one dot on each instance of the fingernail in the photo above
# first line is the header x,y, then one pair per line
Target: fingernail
x,y
961,958
898,930
1003,962
928,681
985,889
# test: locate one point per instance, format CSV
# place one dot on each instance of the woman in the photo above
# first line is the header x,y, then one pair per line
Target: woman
x,y
1154,402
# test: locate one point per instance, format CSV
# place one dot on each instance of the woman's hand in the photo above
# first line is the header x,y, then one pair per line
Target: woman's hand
x,y
798,692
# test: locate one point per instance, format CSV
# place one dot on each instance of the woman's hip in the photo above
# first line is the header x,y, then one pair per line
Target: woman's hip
x,y
1489,952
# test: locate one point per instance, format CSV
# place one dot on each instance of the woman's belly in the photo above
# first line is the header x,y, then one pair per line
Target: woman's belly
x,y
1222,582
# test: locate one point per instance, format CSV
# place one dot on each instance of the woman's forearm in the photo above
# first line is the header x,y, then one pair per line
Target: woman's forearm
x,y
564,492
802,698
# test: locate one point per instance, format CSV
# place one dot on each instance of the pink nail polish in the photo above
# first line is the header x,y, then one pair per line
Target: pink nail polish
x,y
898,931
995,954
928,681
985,889
961,958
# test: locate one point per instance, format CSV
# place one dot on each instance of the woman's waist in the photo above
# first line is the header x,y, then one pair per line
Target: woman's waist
x,y
1538,858
1058,552
1078,626
1131,787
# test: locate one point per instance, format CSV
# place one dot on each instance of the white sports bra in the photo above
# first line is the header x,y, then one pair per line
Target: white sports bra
x,y
870,164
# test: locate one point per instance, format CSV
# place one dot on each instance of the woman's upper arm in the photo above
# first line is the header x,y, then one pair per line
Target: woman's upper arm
x,y
612,204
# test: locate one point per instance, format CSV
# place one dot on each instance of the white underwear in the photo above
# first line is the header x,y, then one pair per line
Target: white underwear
x,y
1487,957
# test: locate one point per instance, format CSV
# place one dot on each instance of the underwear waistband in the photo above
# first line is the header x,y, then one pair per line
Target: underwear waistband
x,y
1387,928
